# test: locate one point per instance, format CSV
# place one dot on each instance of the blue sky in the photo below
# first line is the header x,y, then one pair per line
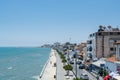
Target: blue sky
x,y
35,22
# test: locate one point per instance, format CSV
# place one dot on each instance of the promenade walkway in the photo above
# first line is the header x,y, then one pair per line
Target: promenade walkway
x,y
49,70
61,72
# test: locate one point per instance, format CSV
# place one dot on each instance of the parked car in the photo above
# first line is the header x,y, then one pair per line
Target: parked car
x,y
71,62
79,62
88,60
84,76
80,57
82,66
95,59
68,59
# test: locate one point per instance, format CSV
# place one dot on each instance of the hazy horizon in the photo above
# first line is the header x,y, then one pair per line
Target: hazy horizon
x,y
34,23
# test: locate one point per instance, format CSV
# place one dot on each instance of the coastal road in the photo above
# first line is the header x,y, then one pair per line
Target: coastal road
x,y
60,71
80,71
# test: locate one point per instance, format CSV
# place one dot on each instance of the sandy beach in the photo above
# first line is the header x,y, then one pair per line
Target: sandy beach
x,y
49,70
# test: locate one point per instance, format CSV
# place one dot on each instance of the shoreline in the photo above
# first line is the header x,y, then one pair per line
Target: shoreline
x,y
49,70
43,69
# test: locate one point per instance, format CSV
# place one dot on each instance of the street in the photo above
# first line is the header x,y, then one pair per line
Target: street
x,y
81,71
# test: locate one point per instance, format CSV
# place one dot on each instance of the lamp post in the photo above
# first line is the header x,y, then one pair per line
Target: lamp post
x,y
76,62
68,60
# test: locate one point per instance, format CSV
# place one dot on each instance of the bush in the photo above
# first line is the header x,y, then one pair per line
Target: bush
x,y
64,60
105,72
68,67
77,79
62,56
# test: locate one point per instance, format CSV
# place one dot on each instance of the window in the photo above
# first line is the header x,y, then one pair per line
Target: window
x,y
111,49
90,35
99,34
115,48
115,40
89,42
93,34
111,41
89,48
119,52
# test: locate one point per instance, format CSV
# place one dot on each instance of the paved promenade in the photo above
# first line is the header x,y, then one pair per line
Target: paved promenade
x,y
61,72
49,70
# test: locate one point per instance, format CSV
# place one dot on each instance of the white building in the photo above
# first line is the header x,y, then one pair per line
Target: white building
x,y
113,62
91,45
118,50
101,43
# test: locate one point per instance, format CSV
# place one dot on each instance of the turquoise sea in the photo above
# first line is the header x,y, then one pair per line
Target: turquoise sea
x,y
22,63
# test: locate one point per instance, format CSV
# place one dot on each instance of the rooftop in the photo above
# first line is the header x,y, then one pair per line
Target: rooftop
x,y
112,59
97,63
118,42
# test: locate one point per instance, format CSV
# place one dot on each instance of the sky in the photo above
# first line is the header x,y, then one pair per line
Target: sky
x,y
38,22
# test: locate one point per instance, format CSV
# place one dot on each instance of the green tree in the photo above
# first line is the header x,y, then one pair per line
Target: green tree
x,y
77,79
68,67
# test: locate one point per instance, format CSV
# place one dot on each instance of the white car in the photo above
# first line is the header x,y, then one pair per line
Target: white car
x,y
84,76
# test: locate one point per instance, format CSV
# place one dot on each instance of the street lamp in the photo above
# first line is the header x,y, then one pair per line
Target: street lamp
x,y
76,62
68,60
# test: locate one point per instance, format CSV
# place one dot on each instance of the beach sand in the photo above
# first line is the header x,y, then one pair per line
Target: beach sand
x,y
49,71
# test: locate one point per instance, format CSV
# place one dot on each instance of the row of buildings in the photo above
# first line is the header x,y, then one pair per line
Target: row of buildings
x,y
105,43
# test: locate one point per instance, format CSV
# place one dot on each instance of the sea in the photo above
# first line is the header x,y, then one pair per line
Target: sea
x,y
22,63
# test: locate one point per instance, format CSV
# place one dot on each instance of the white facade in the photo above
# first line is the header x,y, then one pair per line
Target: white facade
x,y
94,47
92,38
118,51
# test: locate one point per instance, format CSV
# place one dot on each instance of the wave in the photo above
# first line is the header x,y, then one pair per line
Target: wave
x,y
10,68
35,77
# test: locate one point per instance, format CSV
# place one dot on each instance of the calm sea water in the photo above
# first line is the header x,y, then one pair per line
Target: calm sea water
x,y
22,63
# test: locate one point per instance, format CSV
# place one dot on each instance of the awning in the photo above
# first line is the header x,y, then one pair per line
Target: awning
x,y
112,74
98,63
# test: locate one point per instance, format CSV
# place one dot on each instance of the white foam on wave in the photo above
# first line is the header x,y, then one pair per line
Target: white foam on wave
x,y
35,77
10,68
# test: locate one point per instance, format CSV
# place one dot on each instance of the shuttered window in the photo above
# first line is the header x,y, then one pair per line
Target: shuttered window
x,y
119,52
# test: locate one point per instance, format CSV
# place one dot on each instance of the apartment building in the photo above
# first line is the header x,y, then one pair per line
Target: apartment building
x,y
101,43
